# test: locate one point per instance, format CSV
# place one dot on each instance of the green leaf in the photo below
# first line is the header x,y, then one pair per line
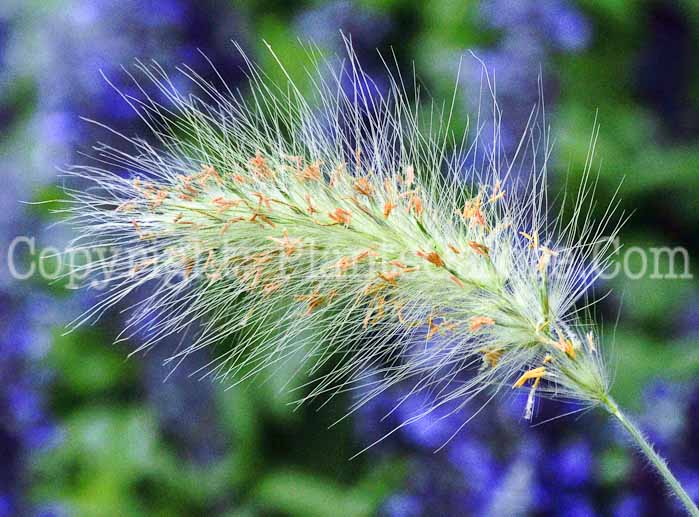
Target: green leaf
x,y
305,495
87,363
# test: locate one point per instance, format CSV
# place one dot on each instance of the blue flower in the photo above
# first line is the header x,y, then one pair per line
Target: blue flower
x,y
428,427
402,505
664,417
574,506
628,505
475,461
571,465
323,24
7,506
567,27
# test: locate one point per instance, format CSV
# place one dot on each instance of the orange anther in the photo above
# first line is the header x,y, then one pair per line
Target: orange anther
x,y
209,172
389,276
365,254
159,198
310,173
456,281
228,224
415,205
432,257
262,199
363,187
314,300
311,209
289,245
343,264
480,249
263,218
341,216
477,322
472,212
259,167
433,328
225,204
271,287
126,206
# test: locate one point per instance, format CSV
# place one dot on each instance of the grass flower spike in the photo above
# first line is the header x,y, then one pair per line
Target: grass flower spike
x,y
336,232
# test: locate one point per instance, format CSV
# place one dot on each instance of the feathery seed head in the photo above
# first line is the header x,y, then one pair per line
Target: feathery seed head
x,y
336,231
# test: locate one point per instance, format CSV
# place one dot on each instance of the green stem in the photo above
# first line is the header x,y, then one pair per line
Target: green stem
x,y
657,461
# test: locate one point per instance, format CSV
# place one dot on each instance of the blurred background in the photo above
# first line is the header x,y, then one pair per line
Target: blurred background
x,y
84,430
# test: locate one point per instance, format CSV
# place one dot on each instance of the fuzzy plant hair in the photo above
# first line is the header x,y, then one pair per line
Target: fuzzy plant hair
x,y
349,232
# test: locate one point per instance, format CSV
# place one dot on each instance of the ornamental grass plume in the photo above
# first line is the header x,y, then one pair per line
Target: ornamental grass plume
x,y
335,232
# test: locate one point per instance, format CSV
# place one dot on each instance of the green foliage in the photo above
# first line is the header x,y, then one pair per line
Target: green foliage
x,y
115,458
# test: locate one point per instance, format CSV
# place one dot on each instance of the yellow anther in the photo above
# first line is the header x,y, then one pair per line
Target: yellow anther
x,y
491,357
533,239
565,345
535,373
